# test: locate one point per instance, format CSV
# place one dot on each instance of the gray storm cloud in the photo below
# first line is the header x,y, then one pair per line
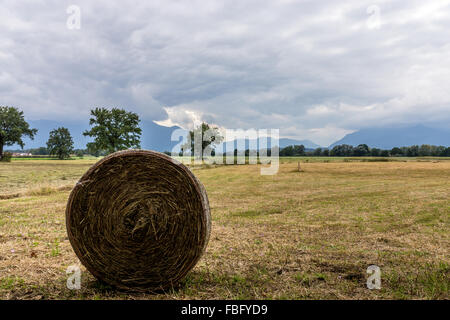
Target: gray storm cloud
x,y
315,69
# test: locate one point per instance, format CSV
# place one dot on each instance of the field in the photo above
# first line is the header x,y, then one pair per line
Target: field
x,y
295,235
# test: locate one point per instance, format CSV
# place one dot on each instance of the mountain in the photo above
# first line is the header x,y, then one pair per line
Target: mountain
x,y
154,137
388,138
284,142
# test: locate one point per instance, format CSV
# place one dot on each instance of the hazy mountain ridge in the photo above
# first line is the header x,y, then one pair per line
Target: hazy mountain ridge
x,y
388,138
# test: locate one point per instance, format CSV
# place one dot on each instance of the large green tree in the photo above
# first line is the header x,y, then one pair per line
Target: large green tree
x,y
209,136
113,130
13,127
60,143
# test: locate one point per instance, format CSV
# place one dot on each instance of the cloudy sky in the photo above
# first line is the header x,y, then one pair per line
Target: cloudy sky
x,y
315,69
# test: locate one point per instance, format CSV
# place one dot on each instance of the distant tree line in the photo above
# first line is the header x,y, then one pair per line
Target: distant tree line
x,y
363,150
43,151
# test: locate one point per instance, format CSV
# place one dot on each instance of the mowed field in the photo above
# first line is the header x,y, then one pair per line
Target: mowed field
x,y
295,235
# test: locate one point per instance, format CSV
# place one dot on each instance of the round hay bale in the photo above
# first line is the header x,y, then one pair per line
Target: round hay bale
x,y
138,220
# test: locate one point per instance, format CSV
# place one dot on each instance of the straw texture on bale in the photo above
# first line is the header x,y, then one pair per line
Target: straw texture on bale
x,y
138,220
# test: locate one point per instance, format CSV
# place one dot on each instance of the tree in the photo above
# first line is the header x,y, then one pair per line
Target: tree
x,y
375,152
12,127
396,151
41,151
209,136
94,152
317,152
299,150
404,151
446,153
413,151
113,130
292,151
343,150
287,151
60,143
384,153
361,150
79,153
439,152
425,150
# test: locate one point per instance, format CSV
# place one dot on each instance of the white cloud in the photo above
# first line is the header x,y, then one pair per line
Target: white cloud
x,y
181,117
